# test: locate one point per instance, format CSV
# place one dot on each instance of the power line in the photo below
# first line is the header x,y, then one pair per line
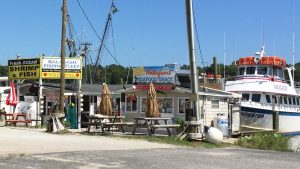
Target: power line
x,y
201,56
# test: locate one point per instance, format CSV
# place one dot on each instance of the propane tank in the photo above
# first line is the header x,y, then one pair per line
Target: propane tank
x,y
222,124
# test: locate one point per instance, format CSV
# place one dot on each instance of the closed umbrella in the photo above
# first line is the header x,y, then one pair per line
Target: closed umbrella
x,y
11,97
105,104
152,106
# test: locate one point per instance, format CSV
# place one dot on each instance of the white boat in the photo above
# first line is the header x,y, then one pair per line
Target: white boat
x,y
265,93
4,85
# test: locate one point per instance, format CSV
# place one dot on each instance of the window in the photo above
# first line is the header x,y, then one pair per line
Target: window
x,y
262,70
245,96
278,72
297,101
270,71
256,98
165,105
182,105
285,100
241,71
131,104
280,100
268,98
215,104
294,100
274,98
144,105
250,71
290,101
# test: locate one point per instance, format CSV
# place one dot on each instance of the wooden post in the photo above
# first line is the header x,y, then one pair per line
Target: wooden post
x,y
63,56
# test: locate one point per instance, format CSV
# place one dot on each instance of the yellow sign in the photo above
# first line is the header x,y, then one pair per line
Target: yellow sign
x,y
24,69
50,68
56,75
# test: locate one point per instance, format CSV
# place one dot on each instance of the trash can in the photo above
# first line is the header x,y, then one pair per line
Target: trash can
x,y
71,116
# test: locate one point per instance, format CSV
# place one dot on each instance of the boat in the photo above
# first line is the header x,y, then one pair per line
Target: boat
x,y
269,100
4,85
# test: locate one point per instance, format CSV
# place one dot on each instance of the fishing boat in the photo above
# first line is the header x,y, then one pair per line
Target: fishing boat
x,y
4,85
269,100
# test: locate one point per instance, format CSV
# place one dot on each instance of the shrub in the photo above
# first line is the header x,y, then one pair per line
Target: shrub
x,y
181,122
265,141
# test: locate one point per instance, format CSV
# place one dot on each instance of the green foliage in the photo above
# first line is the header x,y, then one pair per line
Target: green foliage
x,y
3,70
181,123
265,141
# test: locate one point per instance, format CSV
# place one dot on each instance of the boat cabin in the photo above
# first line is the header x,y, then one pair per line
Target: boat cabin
x,y
268,66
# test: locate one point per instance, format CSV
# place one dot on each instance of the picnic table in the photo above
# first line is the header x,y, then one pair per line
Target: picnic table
x,y
14,118
107,122
152,123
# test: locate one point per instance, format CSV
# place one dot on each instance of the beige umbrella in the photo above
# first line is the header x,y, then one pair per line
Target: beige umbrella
x,y
105,104
152,106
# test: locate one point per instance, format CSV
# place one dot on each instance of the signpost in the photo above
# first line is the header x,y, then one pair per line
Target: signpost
x,y
51,68
24,69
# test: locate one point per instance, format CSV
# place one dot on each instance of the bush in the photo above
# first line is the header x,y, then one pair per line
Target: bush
x,y
181,122
265,141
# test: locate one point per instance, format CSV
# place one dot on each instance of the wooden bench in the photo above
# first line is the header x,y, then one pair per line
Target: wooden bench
x,y
14,118
165,126
153,123
107,122
117,124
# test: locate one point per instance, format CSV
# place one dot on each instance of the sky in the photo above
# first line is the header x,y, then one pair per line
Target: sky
x,y
153,32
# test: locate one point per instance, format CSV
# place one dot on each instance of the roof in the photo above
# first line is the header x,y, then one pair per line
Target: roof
x,y
87,89
203,91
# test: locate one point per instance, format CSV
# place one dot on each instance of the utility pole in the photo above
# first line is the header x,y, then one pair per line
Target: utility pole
x,y
63,57
194,74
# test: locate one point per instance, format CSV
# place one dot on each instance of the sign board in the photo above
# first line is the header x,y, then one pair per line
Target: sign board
x,y
51,68
157,87
24,69
154,74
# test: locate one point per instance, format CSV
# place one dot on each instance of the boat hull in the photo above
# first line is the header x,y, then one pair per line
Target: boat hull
x,y
289,122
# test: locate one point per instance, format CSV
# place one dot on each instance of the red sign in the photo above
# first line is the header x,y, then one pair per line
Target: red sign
x,y
157,87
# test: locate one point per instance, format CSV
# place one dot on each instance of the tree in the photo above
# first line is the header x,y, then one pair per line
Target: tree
x,y
3,70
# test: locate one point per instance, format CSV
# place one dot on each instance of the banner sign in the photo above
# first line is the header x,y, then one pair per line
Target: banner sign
x,y
157,87
154,74
24,69
50,68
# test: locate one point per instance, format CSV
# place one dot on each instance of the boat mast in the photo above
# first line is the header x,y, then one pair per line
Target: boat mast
x,y
224,56
192,58
294,56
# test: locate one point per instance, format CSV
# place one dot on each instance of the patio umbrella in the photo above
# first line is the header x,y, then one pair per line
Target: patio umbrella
x,y
152,106
105,104
11,97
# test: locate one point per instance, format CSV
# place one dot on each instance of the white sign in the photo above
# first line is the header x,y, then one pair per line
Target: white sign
x,y
54,63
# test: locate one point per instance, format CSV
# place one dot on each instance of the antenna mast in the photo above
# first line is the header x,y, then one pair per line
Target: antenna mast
x,y
293,56
224,55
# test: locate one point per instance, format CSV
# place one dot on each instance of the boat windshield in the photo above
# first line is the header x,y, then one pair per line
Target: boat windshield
x,y
241,71
262,70
250,70
278,72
